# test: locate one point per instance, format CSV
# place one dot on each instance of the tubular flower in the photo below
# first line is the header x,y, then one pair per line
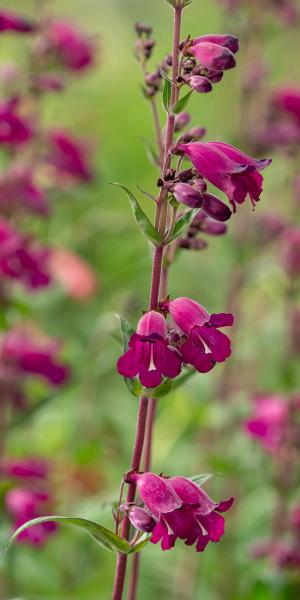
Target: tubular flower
x,y
25,504
287,100
71,46
227,168
149,356
269,421
18,188
290,251
26,468
181,510
69,156
14,128
205,344
215,52
11,21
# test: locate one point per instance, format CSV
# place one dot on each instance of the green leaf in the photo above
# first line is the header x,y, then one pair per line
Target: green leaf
x,y
167,94
183,222
141,218
182,103
140,544
201,479
105,537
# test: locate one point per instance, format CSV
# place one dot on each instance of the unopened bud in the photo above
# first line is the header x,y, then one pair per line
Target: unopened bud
x,y
139,517
186,175
188,195
194,134
192,244
182,120
142,28
200,84
215,208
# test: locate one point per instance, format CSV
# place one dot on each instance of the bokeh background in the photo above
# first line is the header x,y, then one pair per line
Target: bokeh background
x,y
86,428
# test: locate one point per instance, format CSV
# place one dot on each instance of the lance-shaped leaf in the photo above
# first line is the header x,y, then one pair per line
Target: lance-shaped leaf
x,y
182,223
201,479
105,537
182,103
141,218
167,94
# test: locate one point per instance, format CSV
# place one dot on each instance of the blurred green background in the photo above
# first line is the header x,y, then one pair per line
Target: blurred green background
x,y
87,428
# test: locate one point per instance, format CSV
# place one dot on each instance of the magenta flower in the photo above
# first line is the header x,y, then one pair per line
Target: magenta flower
x,y
26,468
149,355
215,52
25,504
18,189
72,47
21,259
290,251
181,510
34,356
11,21
200,84
14,128
269,421
69,156
205,344
287,99
227,168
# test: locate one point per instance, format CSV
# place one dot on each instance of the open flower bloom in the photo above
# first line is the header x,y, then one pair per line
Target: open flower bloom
x,y
269,421
205,344
69,156
14,128
25,504
181,509
21,259
33,356
149,355
11,21
215,52
18,189
72,47
227,168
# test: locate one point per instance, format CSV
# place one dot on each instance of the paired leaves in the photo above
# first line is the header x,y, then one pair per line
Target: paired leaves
x,y
141,218
103,536
181,225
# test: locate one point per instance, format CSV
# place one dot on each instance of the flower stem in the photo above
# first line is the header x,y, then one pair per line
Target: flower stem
x,y
160,222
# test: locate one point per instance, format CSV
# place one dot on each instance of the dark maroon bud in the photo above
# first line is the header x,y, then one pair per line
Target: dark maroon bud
x,y
215,208
227,41
142,28
170,174
182,120
192,244
139,517
148,47
153,79
150,91
215,76
200,185
194,134
198,70
188,195
186,175
212,227
189,65
200,84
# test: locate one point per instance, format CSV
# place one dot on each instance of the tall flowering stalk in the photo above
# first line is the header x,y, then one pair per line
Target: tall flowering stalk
x,y
174,337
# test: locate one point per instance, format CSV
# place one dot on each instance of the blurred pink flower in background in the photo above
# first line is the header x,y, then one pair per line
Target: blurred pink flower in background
x,y
72,47
73,273
24,504
11,21
269,421
290,251
19,189
26,468
14,128
69,156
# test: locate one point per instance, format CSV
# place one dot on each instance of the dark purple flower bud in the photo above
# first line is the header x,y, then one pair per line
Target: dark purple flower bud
x,y
200,185
227,41
139,518
186,175
187,194
153,79
142,28
182,120
213,56
212,227
11,21
189,65
192,244
200,84
215,208
215,76
193,134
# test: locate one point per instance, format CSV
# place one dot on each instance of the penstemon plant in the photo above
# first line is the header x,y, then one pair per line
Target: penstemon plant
x,y
174,338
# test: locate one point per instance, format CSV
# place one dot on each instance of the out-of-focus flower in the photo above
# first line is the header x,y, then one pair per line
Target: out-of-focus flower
x,y
72,47
181,121
48,83
73,273
26,468
69,156
21,259
33,356
268,227
269,421
11,21
181,510
229,169
149,355
14,128
19,189
290,251
25,504
205,345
